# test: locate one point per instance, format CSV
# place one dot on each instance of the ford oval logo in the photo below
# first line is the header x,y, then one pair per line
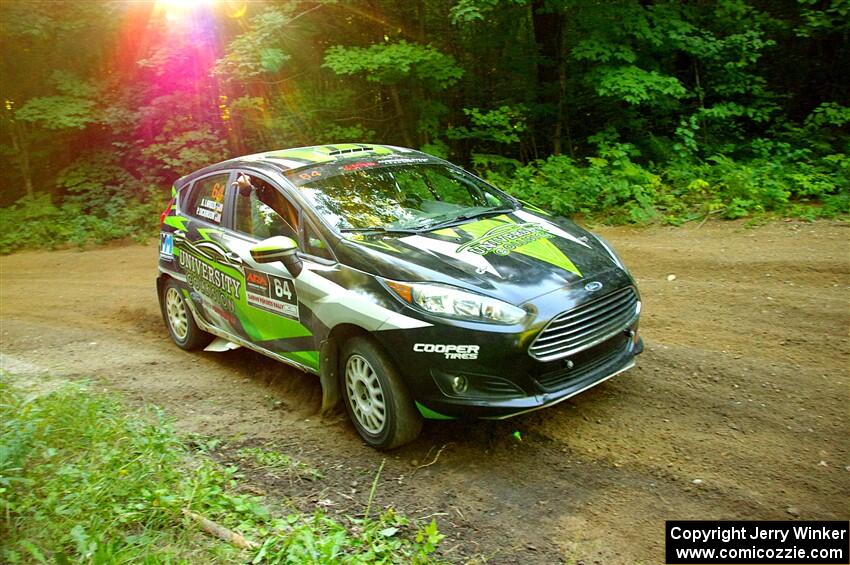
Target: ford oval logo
x,y
593,286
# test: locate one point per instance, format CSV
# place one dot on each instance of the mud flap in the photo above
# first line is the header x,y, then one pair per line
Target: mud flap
x,y
220,344
329,375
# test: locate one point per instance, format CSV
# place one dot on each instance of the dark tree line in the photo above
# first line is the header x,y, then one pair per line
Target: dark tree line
x,y
630,106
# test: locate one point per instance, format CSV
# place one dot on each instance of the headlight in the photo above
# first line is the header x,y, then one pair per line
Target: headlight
x,y
612,253
444,300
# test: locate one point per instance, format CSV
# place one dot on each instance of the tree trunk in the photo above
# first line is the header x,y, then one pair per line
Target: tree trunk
x,y
22,154
399,110
547,39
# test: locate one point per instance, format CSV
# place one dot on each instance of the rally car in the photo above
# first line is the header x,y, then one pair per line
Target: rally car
x,y
411,287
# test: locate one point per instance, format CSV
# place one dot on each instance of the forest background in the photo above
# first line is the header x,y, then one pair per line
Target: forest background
x,y
608,111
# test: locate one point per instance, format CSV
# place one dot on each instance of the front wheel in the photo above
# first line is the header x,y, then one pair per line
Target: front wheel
x,y
376,399
182,328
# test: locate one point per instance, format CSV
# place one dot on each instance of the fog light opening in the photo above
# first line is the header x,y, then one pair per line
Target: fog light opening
x,y
460,384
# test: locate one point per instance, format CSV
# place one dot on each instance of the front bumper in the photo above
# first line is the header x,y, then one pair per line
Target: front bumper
x,y
497,408
505,381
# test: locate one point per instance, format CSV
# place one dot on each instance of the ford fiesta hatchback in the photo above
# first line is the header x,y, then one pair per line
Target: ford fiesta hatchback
x,y
411,287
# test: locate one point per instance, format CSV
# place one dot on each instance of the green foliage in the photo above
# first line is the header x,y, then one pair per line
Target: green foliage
x,y
614,188
391,63
103,202
828,114
335,133
178,152
37,223
502,125
833,17
467,11
729,93
258,51
636,86
34,223
58,112
83,479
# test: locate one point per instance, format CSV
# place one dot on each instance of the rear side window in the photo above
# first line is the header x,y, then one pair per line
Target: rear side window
x,y
206,201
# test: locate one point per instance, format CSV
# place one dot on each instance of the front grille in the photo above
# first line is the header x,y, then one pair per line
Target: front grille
x,y
588,361
586,325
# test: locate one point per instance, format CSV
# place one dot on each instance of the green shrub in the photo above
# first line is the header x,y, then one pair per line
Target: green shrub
x,y
612,187
103,202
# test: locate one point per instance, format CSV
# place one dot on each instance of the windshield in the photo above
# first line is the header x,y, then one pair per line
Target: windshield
x,y
371,194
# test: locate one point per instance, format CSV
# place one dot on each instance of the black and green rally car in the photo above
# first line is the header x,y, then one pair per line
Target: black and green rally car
x,y
410,286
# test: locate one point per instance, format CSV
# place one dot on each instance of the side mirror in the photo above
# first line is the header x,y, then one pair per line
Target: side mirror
x,y
278,248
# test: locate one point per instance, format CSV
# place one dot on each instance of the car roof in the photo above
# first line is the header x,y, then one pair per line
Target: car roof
x,y
288,159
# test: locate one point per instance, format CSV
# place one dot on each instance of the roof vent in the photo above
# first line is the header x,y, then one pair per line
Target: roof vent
x,y
344,151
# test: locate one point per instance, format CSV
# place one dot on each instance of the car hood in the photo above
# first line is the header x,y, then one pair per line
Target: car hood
x,y
514,257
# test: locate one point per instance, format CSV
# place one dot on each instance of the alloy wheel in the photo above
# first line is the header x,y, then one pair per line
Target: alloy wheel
x,y
365,394
175,308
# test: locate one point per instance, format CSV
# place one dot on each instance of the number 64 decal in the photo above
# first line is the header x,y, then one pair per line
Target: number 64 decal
x,y
282,289
271,293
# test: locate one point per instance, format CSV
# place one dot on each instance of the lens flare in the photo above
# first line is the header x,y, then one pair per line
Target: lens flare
x,y
177,9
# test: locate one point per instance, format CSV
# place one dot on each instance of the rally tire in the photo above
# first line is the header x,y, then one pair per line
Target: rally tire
x,y
179,320
377,400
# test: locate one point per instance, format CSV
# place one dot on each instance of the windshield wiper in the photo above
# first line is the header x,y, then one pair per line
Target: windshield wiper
x,y
378,229
466,217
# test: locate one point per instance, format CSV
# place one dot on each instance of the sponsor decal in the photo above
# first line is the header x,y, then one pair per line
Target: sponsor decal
x,y
219,287
311,175
360,165
501,240
451,351
166,246
218,192
211,208
397,160
271,293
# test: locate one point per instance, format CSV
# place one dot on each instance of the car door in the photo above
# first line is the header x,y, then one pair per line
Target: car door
x,y
269,312
212,271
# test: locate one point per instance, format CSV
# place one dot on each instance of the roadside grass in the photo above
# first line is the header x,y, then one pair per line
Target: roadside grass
x,y
85,479
276,462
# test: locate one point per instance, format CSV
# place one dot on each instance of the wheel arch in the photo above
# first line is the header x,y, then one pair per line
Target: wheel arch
x,y
329,369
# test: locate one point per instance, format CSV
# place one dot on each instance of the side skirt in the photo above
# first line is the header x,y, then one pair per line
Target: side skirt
x,y
244,343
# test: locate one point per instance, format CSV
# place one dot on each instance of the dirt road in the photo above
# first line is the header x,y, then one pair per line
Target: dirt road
x,y
737,409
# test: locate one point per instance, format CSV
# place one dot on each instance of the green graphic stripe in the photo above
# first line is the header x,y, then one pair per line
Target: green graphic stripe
x,y
542,249
321,153
534,208
207,233
309,155
448,232
545,250
308,358
382,245
430,414
176,222
274,247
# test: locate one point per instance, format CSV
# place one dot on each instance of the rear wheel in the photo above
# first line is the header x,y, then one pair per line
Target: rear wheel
x,y
182,328
376,399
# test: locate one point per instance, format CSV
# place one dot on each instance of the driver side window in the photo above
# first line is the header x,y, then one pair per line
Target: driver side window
x,y
261,211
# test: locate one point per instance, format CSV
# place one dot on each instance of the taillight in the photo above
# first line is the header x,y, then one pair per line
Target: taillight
x,y
165,212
